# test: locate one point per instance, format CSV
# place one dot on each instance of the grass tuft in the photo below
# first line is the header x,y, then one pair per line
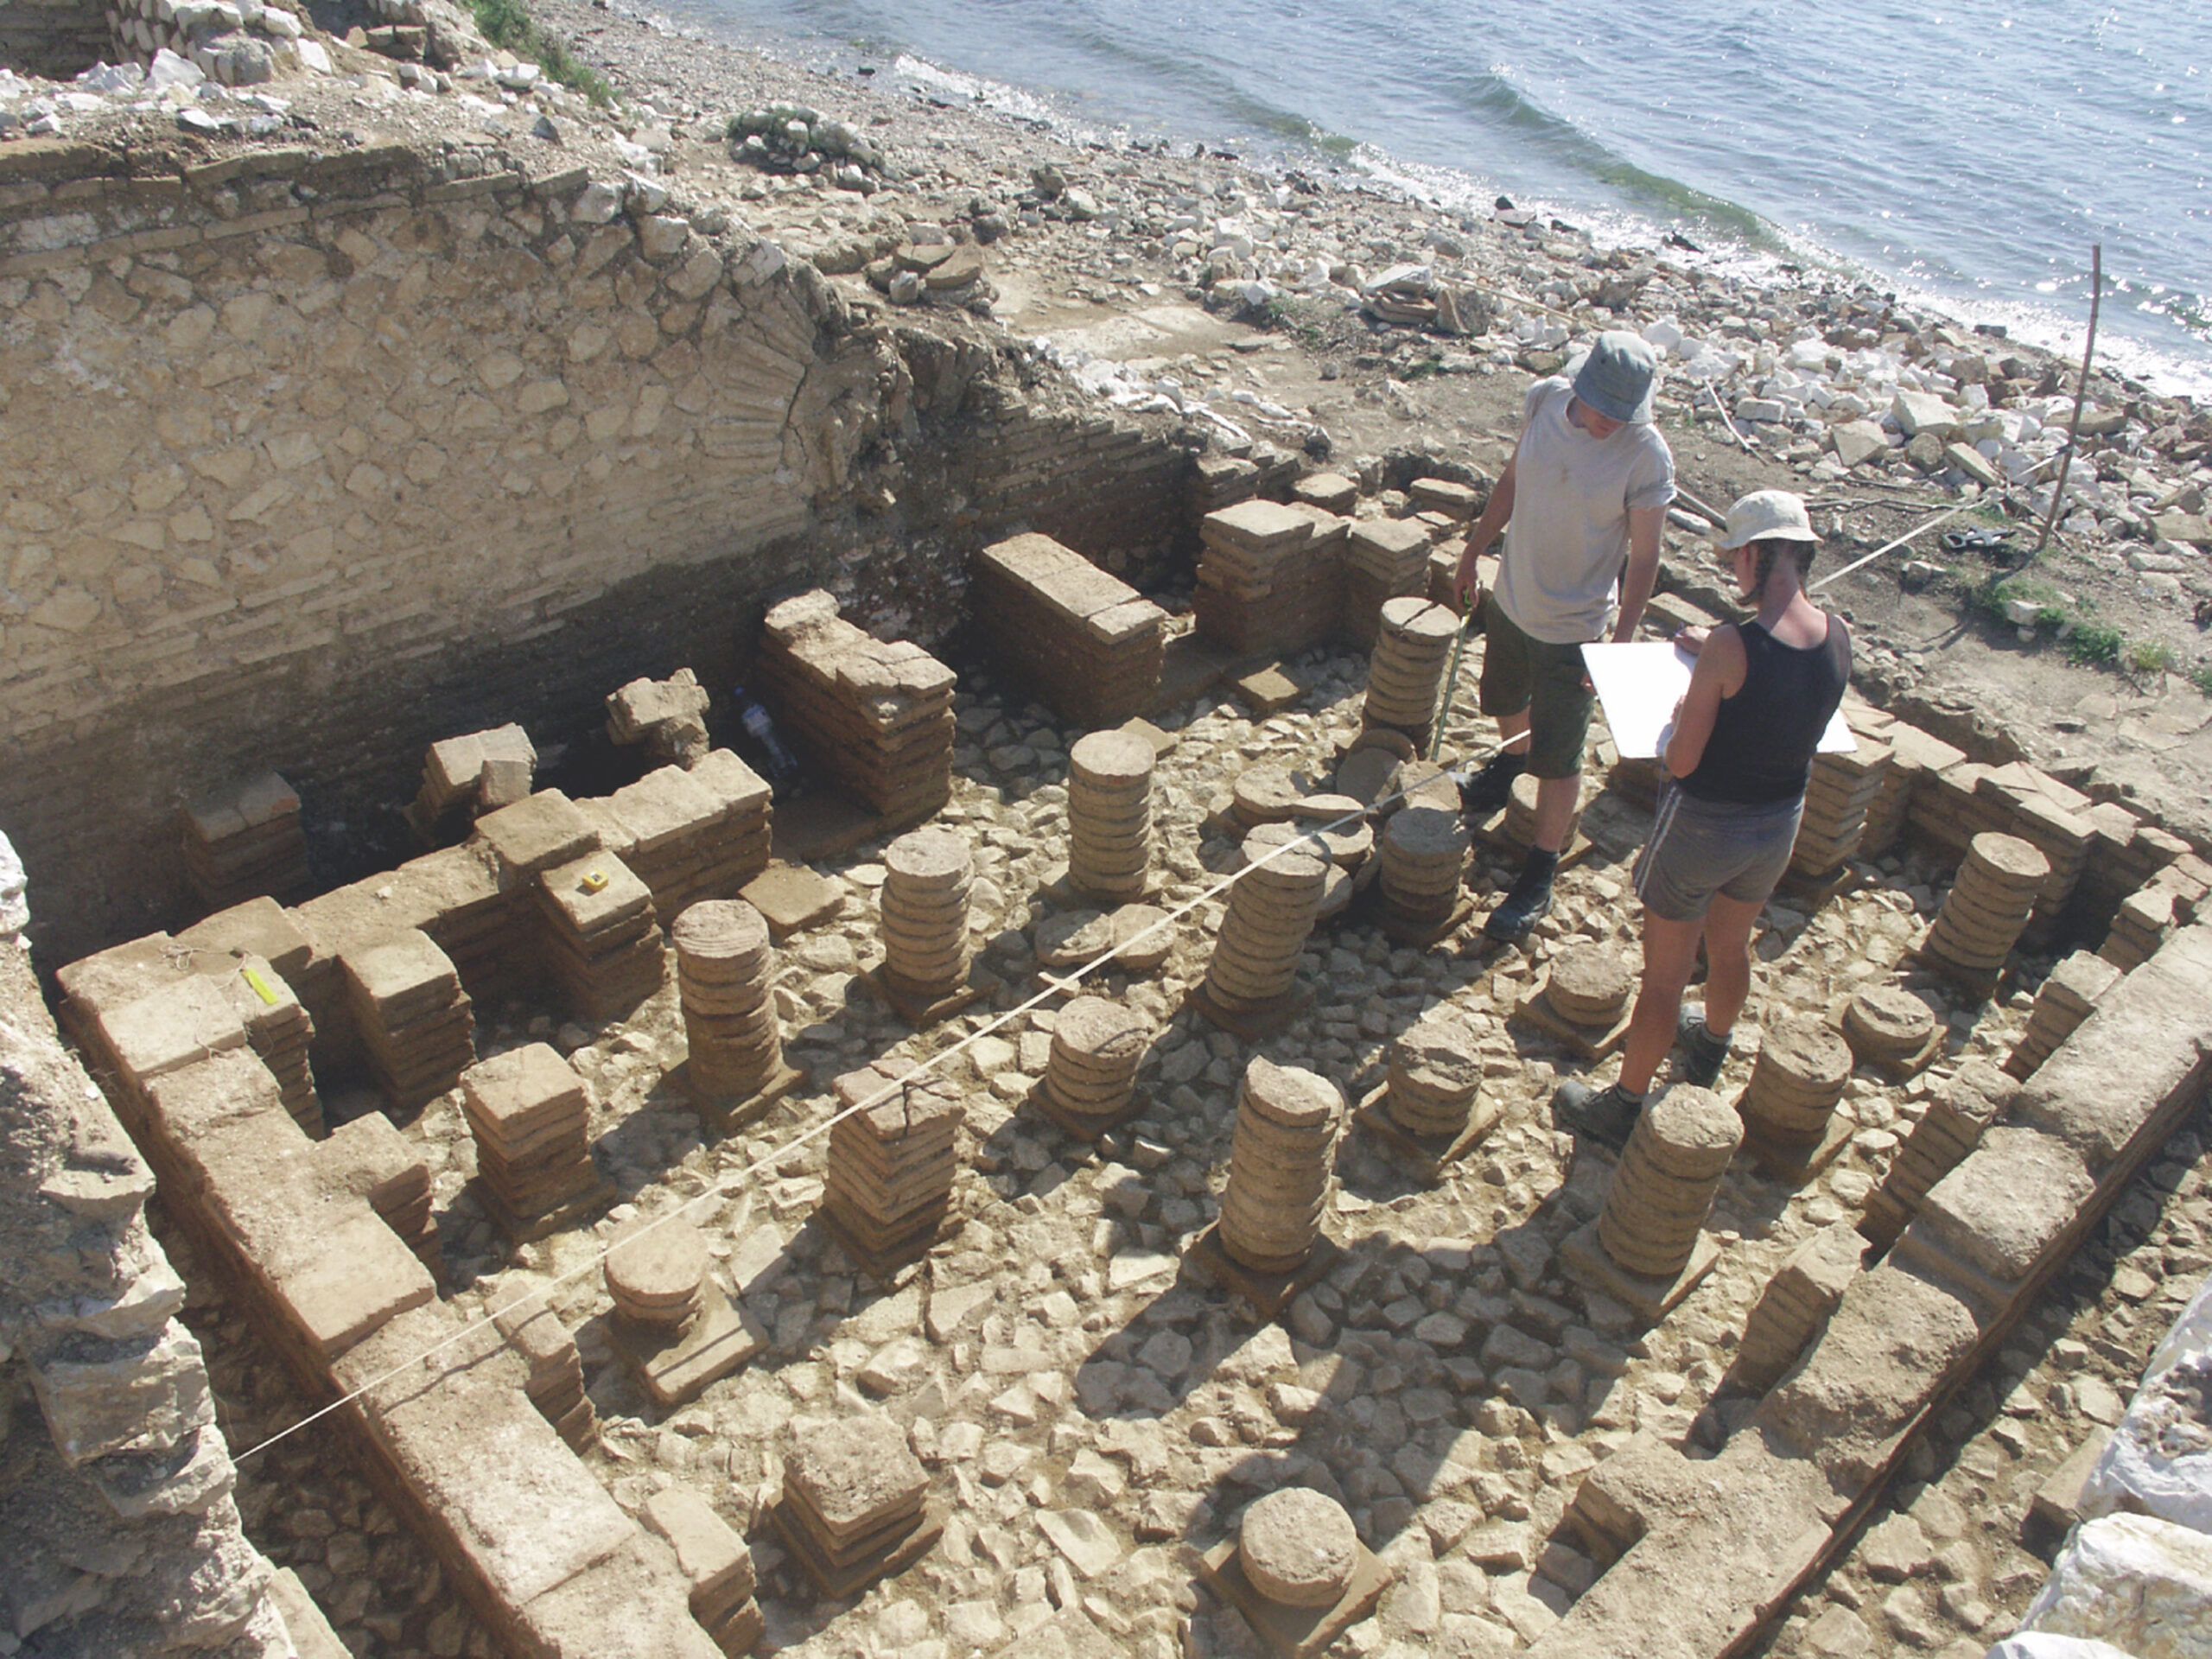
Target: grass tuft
x,y
508,23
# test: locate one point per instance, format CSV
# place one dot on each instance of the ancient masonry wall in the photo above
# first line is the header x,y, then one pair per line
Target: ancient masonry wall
x,y
55,38
314,458
116,1516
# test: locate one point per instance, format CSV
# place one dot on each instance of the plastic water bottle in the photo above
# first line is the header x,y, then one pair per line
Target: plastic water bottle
x,y
783,765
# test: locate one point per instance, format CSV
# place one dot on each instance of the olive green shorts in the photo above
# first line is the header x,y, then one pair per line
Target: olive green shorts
x,y
1520,675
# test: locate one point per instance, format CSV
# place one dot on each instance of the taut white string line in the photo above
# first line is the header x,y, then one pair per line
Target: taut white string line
x,y
1918,530
731,1180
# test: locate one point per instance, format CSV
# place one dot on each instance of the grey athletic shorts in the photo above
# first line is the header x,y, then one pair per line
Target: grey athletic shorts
x,y
1701,847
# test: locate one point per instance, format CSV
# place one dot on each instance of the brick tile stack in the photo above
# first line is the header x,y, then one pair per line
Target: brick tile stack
x,y
715,1559
1916,759
276,1027
263,935
1663,1188
1084,642
556,1385
1887,1025
2063,1001
1436,1076
1341,850
2125,856
1218,481
531,1121
1794,1306
601,938
1109,816
1384,558
1331,491
1266,586
1271,911
927,875
1590,986
1958,1115
2138,928
667,717
1090,1070
725,970
1405,672
413,1017
1964,801
1424,856
1987,907
853,1490
479,914
690,834
244,841
1457,503
1264,795
1281,1166
1798,1081
1520,825
376,1163
876,717
2051,817
464,777
889,1175
1842,788
657,1274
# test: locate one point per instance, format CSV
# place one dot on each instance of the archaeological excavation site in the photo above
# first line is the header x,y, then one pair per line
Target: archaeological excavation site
x,y
691,963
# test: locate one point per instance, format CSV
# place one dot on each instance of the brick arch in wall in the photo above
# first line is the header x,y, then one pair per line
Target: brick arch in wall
x,y
306,455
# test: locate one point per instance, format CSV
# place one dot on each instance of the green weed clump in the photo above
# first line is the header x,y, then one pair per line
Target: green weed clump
x,y
508,23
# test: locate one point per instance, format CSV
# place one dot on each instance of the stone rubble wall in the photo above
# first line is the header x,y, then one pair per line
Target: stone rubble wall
x,y
116,1520
1728,1542
238,42
53,38
318,456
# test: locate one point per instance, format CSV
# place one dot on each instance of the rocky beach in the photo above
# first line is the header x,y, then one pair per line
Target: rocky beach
x,y
1097,1420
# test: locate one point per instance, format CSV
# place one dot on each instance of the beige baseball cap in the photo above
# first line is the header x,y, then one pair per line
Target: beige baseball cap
x,y
1768,516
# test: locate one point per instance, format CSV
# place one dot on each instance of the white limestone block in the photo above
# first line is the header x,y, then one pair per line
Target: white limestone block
x,y
2137,1582
2159,1458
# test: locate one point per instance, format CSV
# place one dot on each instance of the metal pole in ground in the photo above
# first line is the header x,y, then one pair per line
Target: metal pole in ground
x,y
1451,688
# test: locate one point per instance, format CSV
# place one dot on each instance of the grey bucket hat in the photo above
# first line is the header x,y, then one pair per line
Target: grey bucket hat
x,y
1618,376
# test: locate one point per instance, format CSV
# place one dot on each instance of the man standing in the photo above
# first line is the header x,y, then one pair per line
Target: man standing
x,y
1586,488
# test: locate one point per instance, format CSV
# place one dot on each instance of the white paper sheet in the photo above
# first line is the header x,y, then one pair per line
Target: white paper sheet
x,y
1639,685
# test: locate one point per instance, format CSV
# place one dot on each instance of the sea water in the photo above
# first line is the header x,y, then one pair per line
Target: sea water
x,y
1965,156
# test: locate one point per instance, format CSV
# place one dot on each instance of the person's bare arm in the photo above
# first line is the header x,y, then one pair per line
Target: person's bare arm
x,y
1644,524
1720,673
1495,514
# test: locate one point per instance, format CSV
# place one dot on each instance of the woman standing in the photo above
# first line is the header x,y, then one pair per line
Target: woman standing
x,y
1737,754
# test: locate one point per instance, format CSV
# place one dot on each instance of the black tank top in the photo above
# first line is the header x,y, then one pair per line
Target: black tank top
x,y
1761,750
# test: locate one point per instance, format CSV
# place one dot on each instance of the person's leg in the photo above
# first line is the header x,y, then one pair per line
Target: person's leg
x,y
1669,954
1728,960
1504,698
1559,708
1555,803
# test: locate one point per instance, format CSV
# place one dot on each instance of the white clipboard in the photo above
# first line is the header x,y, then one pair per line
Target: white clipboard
x,y
1639,685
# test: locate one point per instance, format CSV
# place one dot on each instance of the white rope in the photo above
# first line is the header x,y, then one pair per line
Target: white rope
x,y
731,1180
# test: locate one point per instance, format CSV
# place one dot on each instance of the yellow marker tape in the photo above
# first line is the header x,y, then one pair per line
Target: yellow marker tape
x,y
592,881
262,987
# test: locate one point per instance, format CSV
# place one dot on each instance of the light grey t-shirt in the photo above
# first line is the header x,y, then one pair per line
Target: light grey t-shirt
x,y
1568,537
